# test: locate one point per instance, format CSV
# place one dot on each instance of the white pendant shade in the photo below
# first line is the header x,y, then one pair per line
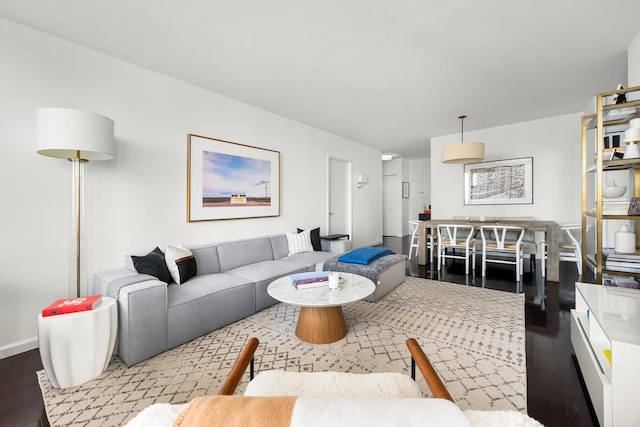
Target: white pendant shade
x,y
63,132
463,152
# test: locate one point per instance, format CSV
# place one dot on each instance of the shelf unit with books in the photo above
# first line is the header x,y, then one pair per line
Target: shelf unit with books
x,y
597,163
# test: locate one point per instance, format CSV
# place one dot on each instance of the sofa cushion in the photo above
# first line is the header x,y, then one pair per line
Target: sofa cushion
x,y
299,242
315,238
206,258
181,263
260,271
201,286
205,303
262,274
310,259
280,246
153,264
244,252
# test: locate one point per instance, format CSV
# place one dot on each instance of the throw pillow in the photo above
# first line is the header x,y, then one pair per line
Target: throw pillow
x,y
153,264
181,263
299,242
315,238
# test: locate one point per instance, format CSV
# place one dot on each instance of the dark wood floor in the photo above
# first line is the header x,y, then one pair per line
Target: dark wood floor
x,y
555,395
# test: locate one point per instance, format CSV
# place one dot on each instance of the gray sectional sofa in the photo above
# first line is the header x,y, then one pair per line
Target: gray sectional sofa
x,y
231,283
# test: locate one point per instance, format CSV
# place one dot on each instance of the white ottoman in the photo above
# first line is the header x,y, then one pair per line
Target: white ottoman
x,y
77,347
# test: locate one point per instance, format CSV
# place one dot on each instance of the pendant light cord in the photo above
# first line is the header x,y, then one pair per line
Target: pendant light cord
x,y
462,128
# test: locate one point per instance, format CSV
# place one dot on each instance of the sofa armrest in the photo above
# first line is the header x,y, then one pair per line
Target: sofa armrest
x,y
101,280
142,313
142,318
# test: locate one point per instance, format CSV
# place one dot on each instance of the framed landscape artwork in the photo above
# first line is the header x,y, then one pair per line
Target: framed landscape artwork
x,y
227,180
500,182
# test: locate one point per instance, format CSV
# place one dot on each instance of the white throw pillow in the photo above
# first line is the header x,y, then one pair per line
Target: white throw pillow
x,y
299,242
181,263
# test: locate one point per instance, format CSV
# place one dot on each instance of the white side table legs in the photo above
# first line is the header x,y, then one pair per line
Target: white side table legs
x,y
77,347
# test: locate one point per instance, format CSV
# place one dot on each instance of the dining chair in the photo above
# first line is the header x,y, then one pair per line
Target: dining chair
x,y
413,224
496,246
456,236
569,249
529,242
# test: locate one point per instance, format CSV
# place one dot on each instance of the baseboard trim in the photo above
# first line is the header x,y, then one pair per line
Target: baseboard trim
x,y
18,347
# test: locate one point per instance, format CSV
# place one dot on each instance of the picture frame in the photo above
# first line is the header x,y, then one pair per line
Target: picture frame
x,y
228,180
499,182
405,190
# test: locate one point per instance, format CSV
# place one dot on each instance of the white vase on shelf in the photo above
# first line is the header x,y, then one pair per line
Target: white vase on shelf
x,y
625,241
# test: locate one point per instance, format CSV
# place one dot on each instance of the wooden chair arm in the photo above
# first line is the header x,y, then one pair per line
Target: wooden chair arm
x,y
239,368
430,375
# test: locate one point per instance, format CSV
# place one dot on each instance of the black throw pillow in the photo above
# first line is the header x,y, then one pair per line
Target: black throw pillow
x,y
315,238
153,264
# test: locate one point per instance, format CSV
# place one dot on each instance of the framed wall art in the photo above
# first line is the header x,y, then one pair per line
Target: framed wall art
x,y
227,180
500,182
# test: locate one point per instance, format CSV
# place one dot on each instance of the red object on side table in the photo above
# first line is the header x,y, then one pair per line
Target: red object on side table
x,y
72,305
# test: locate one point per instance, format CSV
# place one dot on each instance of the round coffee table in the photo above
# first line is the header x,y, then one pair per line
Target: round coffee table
x,y
321,320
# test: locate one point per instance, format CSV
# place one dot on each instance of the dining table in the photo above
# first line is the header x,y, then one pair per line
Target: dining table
x,y
551,229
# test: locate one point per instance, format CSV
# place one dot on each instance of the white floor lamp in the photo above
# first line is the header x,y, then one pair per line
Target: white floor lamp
x,y
78,136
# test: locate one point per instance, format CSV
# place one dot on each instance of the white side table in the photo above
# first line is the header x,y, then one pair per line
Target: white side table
x,y
77,347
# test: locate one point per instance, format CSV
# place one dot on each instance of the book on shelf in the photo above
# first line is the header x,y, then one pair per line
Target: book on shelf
x,y
72,305
309,280
620,281
633,268
629,267
611,255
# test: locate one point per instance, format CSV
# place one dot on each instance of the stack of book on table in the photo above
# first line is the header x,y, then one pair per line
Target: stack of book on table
x,y
629,263
309,280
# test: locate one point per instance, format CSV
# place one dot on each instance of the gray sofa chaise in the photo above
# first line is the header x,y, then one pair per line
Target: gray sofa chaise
x,y
231,283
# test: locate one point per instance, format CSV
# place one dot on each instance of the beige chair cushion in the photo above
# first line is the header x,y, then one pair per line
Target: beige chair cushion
x,y
332,384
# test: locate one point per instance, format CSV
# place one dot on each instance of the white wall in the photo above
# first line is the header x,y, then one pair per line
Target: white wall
x,y
138,200
554,144
633,62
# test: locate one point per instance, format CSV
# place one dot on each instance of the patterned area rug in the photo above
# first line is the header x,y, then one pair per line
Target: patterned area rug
x,y
473,336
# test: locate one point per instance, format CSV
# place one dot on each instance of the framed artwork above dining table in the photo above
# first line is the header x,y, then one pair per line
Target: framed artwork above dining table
x,y
499,182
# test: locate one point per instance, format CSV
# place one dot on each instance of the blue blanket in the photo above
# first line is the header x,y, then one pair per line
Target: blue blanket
x,y
365,255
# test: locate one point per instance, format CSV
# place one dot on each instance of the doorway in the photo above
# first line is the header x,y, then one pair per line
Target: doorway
x,y
339,200
391,207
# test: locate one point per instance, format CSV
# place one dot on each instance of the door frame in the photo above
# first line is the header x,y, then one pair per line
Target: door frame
x,y
348,185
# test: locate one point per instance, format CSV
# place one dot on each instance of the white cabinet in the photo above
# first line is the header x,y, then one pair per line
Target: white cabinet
x,y
605,333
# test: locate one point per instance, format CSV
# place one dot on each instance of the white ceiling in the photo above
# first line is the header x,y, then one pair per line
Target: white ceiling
x,y
389,74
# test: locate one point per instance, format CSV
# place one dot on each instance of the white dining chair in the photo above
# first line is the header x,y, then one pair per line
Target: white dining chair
x,y
569,248
499,249
414,237
456,236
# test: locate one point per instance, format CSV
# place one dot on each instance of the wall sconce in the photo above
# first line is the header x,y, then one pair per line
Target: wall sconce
x,y
361,180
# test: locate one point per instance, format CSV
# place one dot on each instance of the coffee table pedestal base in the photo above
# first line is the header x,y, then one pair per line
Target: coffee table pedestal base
x,y
321,325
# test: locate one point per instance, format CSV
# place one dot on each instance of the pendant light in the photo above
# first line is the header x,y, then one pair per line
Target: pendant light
x,y
463,152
